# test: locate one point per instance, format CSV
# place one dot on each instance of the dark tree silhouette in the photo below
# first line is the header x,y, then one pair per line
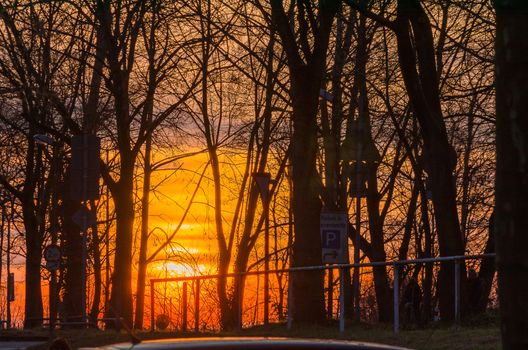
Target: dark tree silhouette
x,y
511,221
306,62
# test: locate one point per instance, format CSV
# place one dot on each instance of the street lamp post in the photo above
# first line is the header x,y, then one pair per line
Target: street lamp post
x,y
263,181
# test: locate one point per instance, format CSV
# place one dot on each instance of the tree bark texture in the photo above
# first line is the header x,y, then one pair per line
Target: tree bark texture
x,y
121,296
511,219
307,286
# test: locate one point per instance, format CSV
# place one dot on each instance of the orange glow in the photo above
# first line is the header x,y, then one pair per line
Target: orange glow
x,y
172,269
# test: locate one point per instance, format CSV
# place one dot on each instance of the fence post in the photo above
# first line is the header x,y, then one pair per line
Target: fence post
x,y
341,300
197,306
290,299
457,293
184,307
396,287
152,306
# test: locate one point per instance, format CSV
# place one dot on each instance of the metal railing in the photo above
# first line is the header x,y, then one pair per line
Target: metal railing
x,y
342,268
59,323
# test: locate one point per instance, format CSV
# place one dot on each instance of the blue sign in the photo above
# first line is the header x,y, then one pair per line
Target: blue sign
x,y
331,239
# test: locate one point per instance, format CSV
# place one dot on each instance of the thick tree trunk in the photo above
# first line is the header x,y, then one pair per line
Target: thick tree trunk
x,y
307,286
33,306
123,192
511,219
143,245
121,296
305,82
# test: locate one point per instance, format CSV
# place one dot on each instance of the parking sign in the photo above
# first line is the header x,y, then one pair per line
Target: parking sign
x,y
334,240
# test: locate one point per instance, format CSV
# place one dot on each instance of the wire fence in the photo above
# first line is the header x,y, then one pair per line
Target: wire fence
x,y
192,302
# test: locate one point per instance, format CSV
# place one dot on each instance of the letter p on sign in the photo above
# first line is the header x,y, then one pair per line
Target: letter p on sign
x,y
331,239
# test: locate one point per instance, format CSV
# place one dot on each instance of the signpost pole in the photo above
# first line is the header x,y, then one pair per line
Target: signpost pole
x,y
334,241
52,255
330,295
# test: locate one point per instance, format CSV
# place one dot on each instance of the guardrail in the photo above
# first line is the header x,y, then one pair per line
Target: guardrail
x,y
396,265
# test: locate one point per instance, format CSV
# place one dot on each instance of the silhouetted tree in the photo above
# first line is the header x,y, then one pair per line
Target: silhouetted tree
x,y
305,42
511,221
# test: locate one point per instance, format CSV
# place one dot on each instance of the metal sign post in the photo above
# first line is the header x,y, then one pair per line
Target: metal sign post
x,y
334,242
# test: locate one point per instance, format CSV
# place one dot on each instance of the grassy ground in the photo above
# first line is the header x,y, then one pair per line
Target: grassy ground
x,y
481,338
466,338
